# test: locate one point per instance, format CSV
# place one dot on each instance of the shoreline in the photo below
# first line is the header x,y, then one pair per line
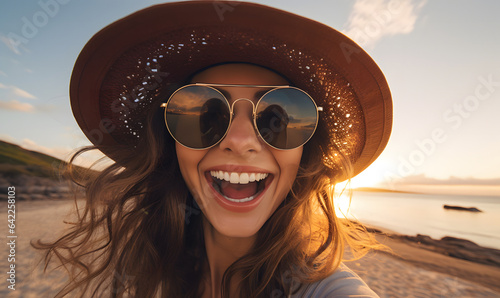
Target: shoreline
x,y
459,248
459,258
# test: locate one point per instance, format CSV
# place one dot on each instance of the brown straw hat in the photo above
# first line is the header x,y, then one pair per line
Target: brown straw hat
x,y
138,60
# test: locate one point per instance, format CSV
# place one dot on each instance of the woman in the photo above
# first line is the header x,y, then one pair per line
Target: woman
x,y
228,123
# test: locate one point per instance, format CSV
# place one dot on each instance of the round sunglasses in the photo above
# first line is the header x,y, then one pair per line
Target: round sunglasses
x,y
198,115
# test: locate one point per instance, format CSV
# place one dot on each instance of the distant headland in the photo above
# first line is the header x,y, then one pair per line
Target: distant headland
x,y
375,189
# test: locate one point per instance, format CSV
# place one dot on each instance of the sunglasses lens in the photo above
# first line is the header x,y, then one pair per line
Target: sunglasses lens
x,y
197,116
286,118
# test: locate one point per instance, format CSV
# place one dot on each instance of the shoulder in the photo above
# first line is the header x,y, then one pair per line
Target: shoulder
x,y
343,282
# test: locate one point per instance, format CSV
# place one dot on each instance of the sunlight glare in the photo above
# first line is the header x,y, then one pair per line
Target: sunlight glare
x,y
370,177
342,199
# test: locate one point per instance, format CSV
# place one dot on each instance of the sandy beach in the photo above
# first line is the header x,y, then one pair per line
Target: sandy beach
x,y
413,272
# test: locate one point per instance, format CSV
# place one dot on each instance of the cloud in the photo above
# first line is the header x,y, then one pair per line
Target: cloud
x,y
371,20
424,180
7,138
3,73
10,44
18,91
15,105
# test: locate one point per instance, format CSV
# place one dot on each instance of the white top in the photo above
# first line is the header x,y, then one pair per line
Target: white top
x,y
341,283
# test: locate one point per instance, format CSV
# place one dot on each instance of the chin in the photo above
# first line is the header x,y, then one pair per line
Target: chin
x,y
239,224
230,229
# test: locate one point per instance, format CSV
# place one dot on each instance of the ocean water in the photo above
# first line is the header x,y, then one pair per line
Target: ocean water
x,y
413,214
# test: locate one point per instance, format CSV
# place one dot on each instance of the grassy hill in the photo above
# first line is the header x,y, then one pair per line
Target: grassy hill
x,y
15,161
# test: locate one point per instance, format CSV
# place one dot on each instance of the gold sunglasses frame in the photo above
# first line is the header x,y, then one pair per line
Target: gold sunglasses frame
x,y
231,110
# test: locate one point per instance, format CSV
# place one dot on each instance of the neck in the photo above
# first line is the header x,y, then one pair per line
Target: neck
x,y
222,251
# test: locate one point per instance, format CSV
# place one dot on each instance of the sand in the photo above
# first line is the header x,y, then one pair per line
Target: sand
x,y
415,272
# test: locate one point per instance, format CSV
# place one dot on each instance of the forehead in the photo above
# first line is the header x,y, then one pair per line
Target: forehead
x,y
239,74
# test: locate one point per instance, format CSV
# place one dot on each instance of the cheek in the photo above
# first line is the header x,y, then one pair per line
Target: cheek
x,y
288,162
188,163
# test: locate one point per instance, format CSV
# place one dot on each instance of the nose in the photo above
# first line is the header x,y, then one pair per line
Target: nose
x,y
241,138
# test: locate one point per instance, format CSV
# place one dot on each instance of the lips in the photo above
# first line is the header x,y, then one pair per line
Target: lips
x,y
238,191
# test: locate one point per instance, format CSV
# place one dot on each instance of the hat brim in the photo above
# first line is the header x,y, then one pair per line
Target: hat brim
x,y
128,64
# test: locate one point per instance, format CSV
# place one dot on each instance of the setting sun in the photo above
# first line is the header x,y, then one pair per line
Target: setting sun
x,y
370,177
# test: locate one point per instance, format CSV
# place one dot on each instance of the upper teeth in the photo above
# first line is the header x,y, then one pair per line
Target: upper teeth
x,y
238,178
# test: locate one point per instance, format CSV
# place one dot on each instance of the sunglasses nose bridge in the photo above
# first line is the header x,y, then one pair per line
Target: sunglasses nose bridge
x,y
243,99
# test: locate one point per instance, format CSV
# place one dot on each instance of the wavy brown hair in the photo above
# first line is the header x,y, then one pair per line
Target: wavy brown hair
x,y
140,232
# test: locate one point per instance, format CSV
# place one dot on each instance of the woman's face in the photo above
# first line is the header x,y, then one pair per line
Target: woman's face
x,y
259,176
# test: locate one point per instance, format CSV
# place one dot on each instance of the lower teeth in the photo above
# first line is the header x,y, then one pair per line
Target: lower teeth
x,y
217,187
240,200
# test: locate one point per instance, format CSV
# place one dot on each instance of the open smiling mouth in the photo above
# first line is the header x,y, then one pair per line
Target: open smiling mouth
x,y
239,187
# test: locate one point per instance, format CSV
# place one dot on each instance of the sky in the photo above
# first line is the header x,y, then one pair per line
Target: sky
x,y
440,58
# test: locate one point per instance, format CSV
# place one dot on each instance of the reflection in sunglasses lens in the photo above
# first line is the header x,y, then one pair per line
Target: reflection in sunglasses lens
x,y
197,116
214,120
286,118
272,123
